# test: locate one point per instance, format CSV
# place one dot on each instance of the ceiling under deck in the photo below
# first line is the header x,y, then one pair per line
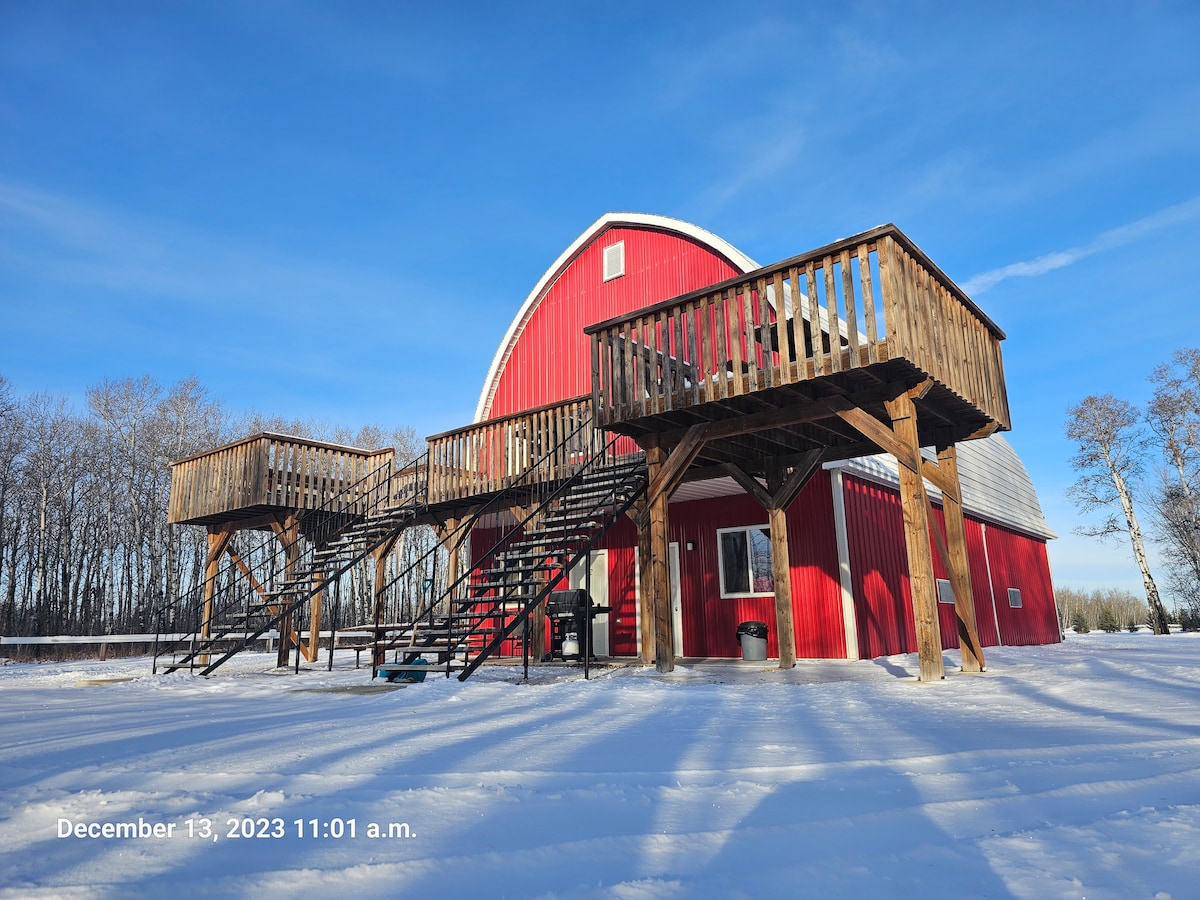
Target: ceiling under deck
x,y
790,420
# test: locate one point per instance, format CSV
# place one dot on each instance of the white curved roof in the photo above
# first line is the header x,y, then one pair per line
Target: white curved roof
x,y
608,220
995,484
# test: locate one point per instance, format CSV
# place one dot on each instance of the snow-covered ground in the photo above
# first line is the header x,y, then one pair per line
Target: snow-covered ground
x,y
1066,771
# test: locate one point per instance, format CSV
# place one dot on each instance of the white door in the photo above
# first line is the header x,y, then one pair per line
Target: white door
x,y
597,561
676,597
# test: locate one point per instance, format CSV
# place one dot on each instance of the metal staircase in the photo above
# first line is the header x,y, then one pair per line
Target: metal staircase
x,y
345,529
522,563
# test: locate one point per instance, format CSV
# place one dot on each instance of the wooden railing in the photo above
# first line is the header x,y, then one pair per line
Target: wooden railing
x,y
269,470
542,445
854,303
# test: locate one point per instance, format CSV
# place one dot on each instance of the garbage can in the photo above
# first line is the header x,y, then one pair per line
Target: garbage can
x,y
753,638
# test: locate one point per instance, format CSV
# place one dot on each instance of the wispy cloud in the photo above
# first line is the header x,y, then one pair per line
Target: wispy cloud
x,y
1109,240
49,236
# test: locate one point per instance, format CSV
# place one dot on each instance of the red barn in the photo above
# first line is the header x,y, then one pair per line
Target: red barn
x,y
693,438
848,567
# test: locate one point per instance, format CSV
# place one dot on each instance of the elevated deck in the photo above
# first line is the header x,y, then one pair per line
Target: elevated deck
x,y
248,480
768,360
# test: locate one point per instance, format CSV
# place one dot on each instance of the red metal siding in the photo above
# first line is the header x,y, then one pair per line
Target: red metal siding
x,y
878,568
1020,562
879,575
985,616
622,588
551,359
710,622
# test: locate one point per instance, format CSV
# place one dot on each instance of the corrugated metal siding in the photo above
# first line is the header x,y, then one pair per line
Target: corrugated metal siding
x,y
878,569
995,484
551,359
622,588
879,574
985,617
710,622
1018,562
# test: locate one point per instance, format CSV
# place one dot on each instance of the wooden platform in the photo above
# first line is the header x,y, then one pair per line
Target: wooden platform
x,y
771,360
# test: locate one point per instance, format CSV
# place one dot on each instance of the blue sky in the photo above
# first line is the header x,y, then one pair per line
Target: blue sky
x,y
334,210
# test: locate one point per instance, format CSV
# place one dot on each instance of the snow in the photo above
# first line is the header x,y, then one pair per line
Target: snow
x,y
1065,771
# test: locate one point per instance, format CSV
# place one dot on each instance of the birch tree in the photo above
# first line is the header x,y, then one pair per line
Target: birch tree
x,y
1110,443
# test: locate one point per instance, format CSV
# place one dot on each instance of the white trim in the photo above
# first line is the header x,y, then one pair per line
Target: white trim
x,y
738,595
606,221
849,614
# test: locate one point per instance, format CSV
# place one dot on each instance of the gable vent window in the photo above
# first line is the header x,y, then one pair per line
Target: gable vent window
x,y
614,261
1014,598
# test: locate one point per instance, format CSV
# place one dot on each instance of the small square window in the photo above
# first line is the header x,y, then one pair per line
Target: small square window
x,y
745,562
944,591
614,261
1014,598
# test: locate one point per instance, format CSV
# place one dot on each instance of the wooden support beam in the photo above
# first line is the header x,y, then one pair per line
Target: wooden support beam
x,y
914,505
314,619
380,555
245,570
658,541
218,543
958,565
802,472
669,476
748,483
785,625
287,530
887,439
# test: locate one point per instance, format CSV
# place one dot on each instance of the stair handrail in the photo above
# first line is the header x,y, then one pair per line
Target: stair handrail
x,y
328,529
513,482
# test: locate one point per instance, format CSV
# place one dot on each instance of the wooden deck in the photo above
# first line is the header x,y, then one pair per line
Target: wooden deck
x,y
265,473
771,358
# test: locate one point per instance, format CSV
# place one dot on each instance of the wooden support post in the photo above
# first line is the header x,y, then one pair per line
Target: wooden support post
x,y
958,564
782,488
380,555
218,542
785,627
314,621
913,500
288,533
659,583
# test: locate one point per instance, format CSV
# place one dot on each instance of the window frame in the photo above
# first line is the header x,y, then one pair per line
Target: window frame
x,y
949,591
735,595
1020,604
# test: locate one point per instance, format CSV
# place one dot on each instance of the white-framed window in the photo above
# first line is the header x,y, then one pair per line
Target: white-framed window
x,y
1014,598
744,555
945,591
614,260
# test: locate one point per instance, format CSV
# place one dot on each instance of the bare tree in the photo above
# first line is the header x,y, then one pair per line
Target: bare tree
x,y
1174,418
1109,459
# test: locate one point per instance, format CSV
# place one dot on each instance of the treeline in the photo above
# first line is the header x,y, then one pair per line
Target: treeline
x,y
1136,463
1111,609
85,547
